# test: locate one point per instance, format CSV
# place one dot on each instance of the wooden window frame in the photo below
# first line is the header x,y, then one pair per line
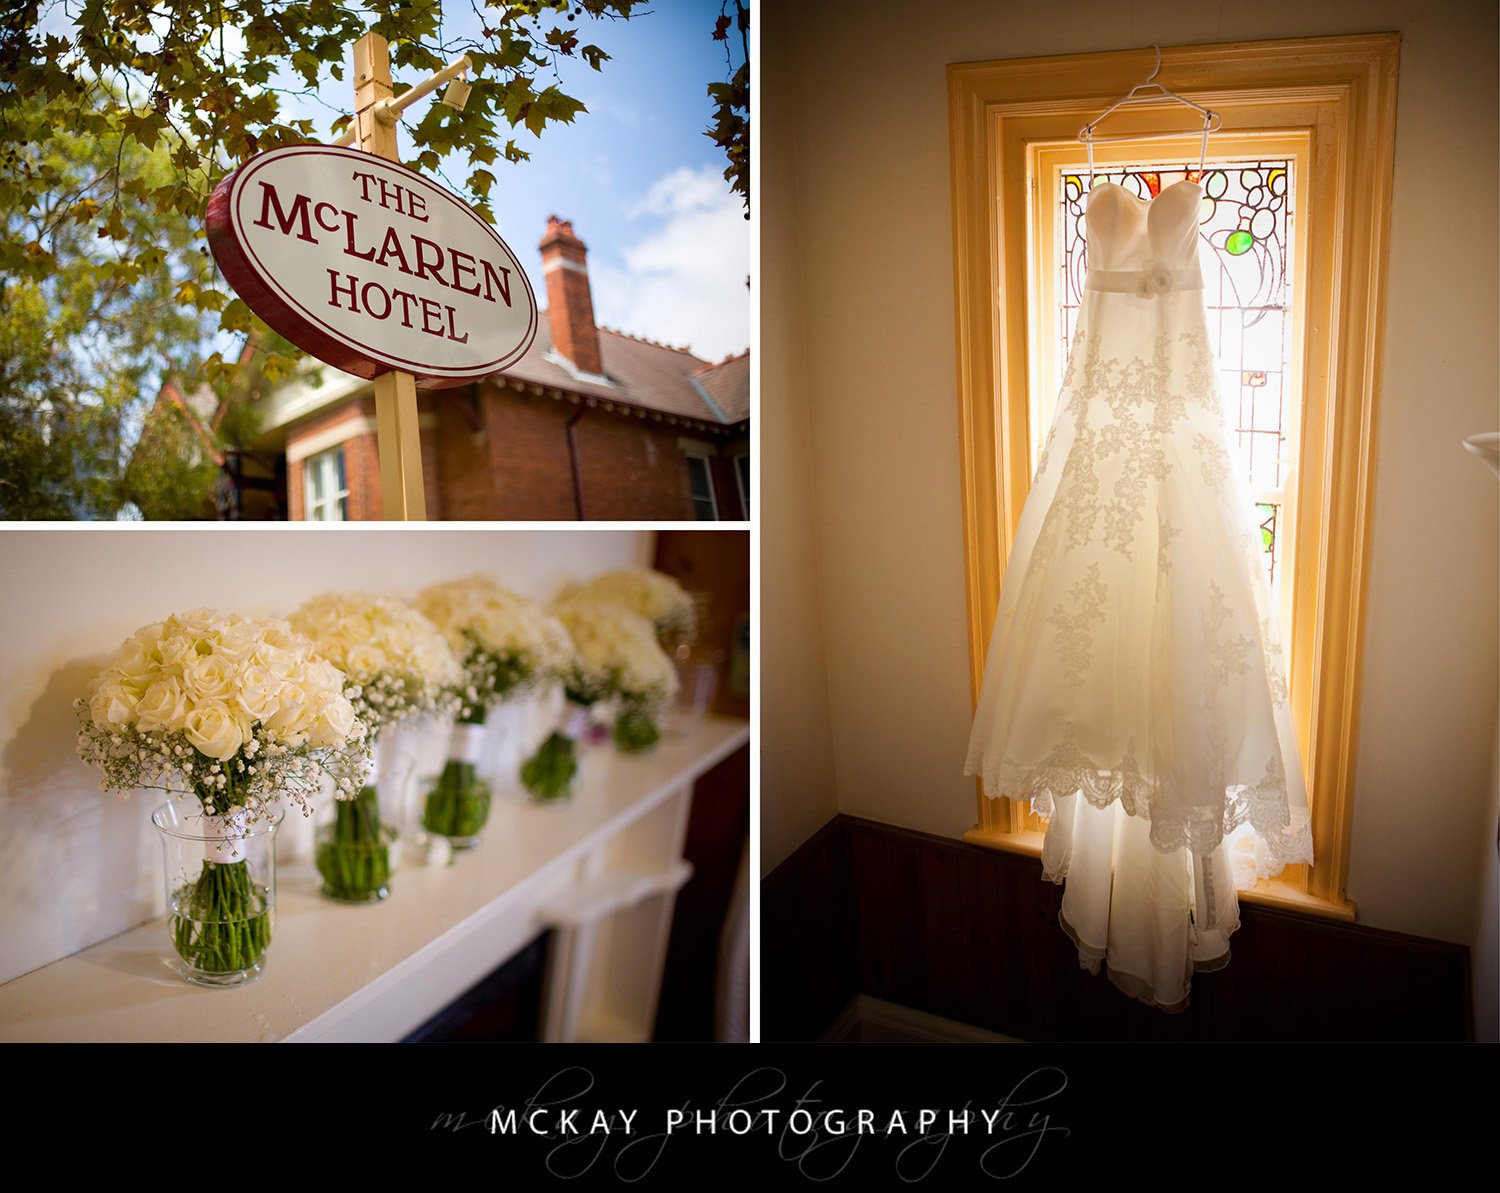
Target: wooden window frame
x,y
1339,93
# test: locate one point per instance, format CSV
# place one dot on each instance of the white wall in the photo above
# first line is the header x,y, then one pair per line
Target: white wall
x,y
78,865
864,134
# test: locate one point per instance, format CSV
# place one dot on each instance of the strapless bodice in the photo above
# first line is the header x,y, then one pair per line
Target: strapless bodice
x,y
1127,233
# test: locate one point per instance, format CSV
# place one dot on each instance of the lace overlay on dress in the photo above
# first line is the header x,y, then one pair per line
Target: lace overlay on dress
x,y
1068,771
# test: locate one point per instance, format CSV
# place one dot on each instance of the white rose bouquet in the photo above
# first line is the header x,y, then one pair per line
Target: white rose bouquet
x,y
654,595
616,656
504,642
506,645
238,713
398,660
400,666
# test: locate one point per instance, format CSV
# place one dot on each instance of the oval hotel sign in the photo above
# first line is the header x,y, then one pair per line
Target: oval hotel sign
x,y
370,267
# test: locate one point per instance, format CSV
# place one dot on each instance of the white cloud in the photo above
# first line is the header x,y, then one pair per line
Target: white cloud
x,y
596,168
683,282
681,191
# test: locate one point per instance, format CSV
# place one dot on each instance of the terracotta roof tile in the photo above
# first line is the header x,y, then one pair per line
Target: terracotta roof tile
x,y
728,384
645,374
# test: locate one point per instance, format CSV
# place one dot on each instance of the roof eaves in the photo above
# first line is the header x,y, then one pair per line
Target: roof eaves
x,y
613,405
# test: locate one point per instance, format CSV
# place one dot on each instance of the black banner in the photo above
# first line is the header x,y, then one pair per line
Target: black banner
x,y
870,1116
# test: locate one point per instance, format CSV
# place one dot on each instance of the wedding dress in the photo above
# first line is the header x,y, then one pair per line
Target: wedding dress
x,y
1134,689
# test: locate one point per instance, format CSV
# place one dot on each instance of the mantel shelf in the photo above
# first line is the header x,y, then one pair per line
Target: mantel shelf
x,y
344,972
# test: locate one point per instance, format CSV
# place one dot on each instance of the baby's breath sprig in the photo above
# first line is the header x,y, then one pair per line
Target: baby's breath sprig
x,y
263,771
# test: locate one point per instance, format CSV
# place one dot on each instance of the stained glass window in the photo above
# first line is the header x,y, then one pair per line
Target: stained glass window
x,y
1245,229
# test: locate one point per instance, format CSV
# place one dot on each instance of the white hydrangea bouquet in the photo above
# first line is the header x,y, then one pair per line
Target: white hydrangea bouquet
x,y
506,645
400,667
237,715
654,595
617,657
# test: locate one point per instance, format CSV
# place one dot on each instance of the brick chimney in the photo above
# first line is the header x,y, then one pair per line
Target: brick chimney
x,y
570,305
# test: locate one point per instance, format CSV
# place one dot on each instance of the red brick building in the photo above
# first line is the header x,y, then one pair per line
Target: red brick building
x,y
590,423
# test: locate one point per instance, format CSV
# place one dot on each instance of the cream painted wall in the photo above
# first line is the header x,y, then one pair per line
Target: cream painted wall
x,y
77,865
798,774
864,135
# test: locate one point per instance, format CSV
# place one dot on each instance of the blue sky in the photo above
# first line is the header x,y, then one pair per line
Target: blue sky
x,y
669,247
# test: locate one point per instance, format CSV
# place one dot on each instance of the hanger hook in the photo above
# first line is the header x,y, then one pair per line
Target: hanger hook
x,y
1157,69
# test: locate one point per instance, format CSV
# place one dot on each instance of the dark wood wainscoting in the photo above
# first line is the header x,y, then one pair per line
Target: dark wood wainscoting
x,y
972,934
809,965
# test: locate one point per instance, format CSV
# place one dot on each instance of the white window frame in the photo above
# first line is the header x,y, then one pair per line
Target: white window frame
x,y
741,478
336,497
708,474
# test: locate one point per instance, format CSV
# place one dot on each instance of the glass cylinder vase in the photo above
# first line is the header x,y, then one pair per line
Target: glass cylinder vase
x,y
551,773
456,800
358,840
221,891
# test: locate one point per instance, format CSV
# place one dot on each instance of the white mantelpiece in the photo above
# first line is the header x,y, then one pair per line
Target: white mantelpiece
x,y
605,867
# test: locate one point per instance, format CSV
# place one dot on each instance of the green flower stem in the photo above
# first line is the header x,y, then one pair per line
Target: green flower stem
x,y
548,774
459,804
354,856
220,921
636,730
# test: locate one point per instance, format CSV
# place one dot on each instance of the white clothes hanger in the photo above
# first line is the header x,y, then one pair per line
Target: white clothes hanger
x,y
1148,92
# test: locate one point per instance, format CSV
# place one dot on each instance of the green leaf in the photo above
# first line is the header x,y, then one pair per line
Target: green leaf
x,y
518,95
480,182
146,129
114,226
235,317
306,65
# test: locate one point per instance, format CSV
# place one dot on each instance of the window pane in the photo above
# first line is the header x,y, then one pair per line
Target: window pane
x,y
702,488
312,490
326,486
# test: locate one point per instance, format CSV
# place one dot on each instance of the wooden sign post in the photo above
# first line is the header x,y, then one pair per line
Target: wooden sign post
x,y
397,434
